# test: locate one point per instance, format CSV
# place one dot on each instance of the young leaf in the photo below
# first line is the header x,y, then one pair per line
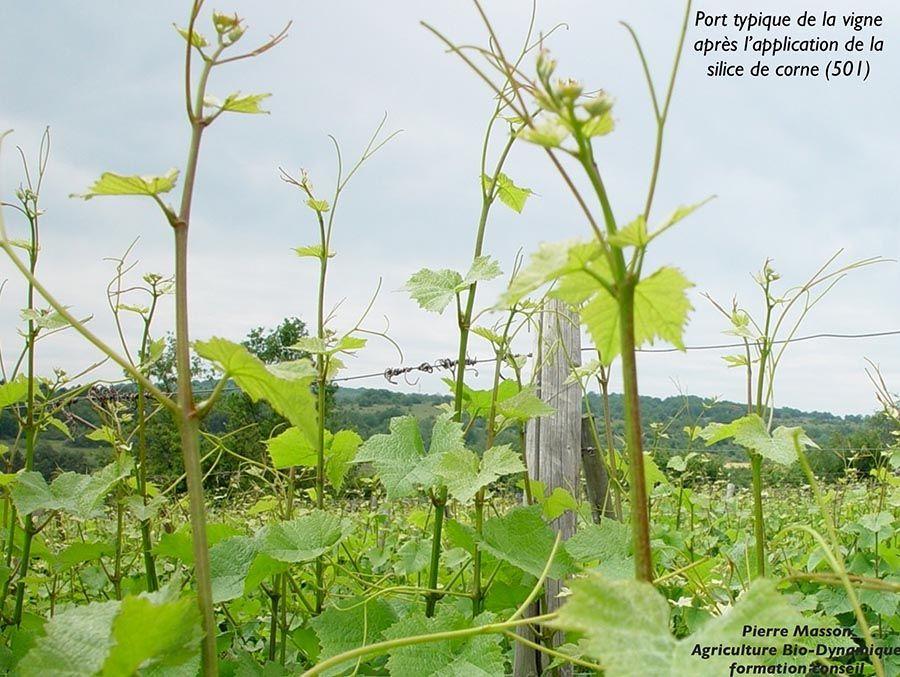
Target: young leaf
x,y
464,473
626,623
396,456
340,454
13,392
229,563
661,309
474,656
750,432
358,623
605,541
285,387
291,448
302,539
236,103
155,630
523,539
632,235
549,133
510,194
77,637
433,289
196,39
483,268
599,126
400,458
119,184
79,495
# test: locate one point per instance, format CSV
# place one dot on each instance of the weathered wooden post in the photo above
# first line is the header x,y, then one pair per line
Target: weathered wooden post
x,y
553,448
596,479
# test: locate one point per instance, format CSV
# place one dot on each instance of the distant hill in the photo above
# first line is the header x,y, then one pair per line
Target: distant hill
x,y
368,411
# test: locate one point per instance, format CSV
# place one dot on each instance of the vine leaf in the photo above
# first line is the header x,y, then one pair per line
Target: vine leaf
x,y
573,264
626,623
110,183
523,539
230,561
157,630
13,392
510,194
609,540
661,309
79,495
151,631
284,386
291,448
479,655
633,235
196,39
433,290
750,432
238,103
302,539
359,623
399,457
465,474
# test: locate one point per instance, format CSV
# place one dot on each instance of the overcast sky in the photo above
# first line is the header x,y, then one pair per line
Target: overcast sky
x,y
801,169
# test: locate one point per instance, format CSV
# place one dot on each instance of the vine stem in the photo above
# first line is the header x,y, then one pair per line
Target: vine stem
x,y
388,645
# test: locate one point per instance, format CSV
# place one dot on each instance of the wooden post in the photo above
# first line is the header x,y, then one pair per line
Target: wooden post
x,y
552,449
596,479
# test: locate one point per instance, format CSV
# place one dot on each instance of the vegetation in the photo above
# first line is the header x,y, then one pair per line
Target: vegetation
x,y
226,508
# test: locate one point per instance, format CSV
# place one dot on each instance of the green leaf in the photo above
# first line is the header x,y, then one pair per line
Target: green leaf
x,y
661,309
339,456
510,194
599,126
524,406
604,541
285,386
477,656
676,216
291,448
179,544
319,206
549,133
413,556
196,39
75,644
359,623
46,318
229,563
78,553
625,623
156,630
573,264
79,495
464,473
302,539
750,432
13,392
312,250
400,459
434,290
632,235
557,503
523,539
483,268
396,456
120,184
237,103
